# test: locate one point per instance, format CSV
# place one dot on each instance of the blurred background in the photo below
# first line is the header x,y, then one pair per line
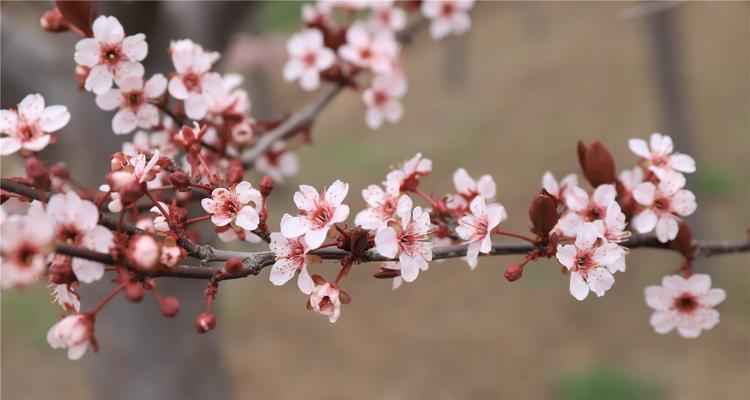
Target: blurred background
x,y
510,98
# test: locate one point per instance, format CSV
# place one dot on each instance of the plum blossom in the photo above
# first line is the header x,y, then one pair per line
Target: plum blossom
x,y
229,98
385,16
26,242
278,162
591,262
73,332
239,206
76,223
160,223
407,175
115,201
383,100
658,154
582,208
317,214
66,297
381,206
612,229
143,252
308,56
476,228
194,82
559,189
132,97
127,170
630,178
110,54
467,188
410,242
291,258
145,142
664,204
324,299
685,304
447,16
376,51
29,126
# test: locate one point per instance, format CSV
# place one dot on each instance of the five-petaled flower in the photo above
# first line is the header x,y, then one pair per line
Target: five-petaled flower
x,y
73,332
109,54
238,207
582,208
377,51
193,82
324,299
409,239
317,214
291,258
278,162
132,97
407,175
659,154
30,126
447,16
476,228
383,100
381,206
559,189
385,16
591,262
26,243
467,188
127,170
308,56
685,304
664,204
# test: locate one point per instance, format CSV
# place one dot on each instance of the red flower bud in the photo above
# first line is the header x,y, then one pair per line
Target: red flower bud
x,y
59,170
543,214
205,322
233,265
266,186
37,170
52,21
169,306
513,272
235,172
177,215
134,292
180,181
597,163
131,193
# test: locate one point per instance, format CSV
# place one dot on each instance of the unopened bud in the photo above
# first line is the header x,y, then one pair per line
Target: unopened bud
x,y
130,193
59,170
37,170
170,306
134,292
513,272
180,181
52,21
205,322
233,265
266,186
177,215
235,173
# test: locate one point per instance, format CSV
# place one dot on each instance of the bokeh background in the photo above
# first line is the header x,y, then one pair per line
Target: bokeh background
x,y
510,98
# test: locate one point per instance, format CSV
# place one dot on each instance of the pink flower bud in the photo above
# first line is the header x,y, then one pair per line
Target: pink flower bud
x,y
143,252
233,265
266,186
169,306
52,21
37,170
513,272
180,181
205,322
134,292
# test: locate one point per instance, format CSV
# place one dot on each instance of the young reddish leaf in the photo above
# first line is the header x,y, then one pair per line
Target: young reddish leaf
x,y
78,14
597,163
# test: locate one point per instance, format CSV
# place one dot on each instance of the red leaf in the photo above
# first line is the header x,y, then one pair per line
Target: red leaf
x,y
78,14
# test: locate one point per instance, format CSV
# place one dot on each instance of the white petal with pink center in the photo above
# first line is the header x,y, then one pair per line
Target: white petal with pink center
x,y
447,16
194,83
133,100
308,56
29,126
26,242
410,242
385,16
476,227
588,261
291,258
377,51
383,99
72,332
658,154
381,206
239,206
582,208
684,304
664,205
317,214
559,189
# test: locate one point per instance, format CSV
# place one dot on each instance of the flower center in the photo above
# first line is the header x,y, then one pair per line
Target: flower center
x,y
192,81
69,234
365,53
309,59
28,131
322,215
593,213
686,303
380,98
134,99
448,9
24,255
583,261
111,55
661,204
230,207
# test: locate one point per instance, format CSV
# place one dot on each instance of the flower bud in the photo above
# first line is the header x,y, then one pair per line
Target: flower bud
x,y
266,186
134,292
205,322
180,181
130,193
235,173
143,252
543,214
59,170
169,306
513,272
597,163
177,215
61,271
233,265
37,170
52,21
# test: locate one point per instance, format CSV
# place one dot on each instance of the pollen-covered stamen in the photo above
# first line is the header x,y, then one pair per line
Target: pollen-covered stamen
x,y
133,99
662,204
584,262
111,55
593,213
686,303
192,81
69,234
321,215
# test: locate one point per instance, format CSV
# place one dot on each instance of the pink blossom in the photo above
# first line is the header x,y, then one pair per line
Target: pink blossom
x,y
590,262
308,56
160,223
324,299
127,170
26,242
376,51
685,304
317,214
582,208
278,162
407,175
73,332
228,98
143,252
145,142
291,258
30,126
612,229
467,188
630,178
387,17
193,82
76,223
170,255
447,16
476,228
238,207
109,54
383,100
559,189
132,97
66,297
381,206
659,155
664,204
409,239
